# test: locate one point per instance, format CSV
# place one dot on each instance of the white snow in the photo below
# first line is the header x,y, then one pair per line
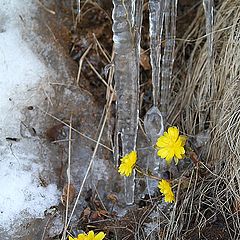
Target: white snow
x,y
21,195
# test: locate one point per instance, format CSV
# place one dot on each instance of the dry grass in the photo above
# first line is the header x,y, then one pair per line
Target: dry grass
x,y
208,102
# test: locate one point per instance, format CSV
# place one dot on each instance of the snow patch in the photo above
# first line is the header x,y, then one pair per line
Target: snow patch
x,y
21,195
21,192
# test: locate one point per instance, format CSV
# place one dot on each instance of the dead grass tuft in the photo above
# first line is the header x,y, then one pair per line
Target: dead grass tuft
x,y
208,103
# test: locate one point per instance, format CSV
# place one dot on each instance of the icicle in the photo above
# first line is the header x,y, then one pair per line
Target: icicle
x,y
168,56
153,121
207,95
156,28
153,124
208,9
127,18
160,11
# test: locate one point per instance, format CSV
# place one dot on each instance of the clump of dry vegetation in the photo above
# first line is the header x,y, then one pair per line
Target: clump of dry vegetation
x,y
207,106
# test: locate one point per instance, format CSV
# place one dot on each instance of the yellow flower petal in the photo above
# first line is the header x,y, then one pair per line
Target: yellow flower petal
x,y
163,152
90,235
170,155
162,142
173,133
81,236
171,145
70,238
183,139
166,190
127,163
100,236
169,198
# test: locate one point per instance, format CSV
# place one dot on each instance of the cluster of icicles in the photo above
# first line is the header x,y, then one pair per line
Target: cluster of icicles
x,y
127,22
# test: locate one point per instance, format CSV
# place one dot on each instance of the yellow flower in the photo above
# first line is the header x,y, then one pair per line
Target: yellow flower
x,y
71,238
171,145
89,236
127,163
166,190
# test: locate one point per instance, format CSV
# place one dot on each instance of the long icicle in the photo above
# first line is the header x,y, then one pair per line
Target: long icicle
x,y
208,94
153,120
159,11
156,9
208,9
126,36
168,56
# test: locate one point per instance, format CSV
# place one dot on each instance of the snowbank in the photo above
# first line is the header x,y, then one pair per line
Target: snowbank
x,y
22,194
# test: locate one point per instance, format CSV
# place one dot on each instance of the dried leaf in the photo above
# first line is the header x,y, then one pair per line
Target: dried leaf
x,y
145,60
104,213
65,194
112,197
95,216
86,213
194,157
